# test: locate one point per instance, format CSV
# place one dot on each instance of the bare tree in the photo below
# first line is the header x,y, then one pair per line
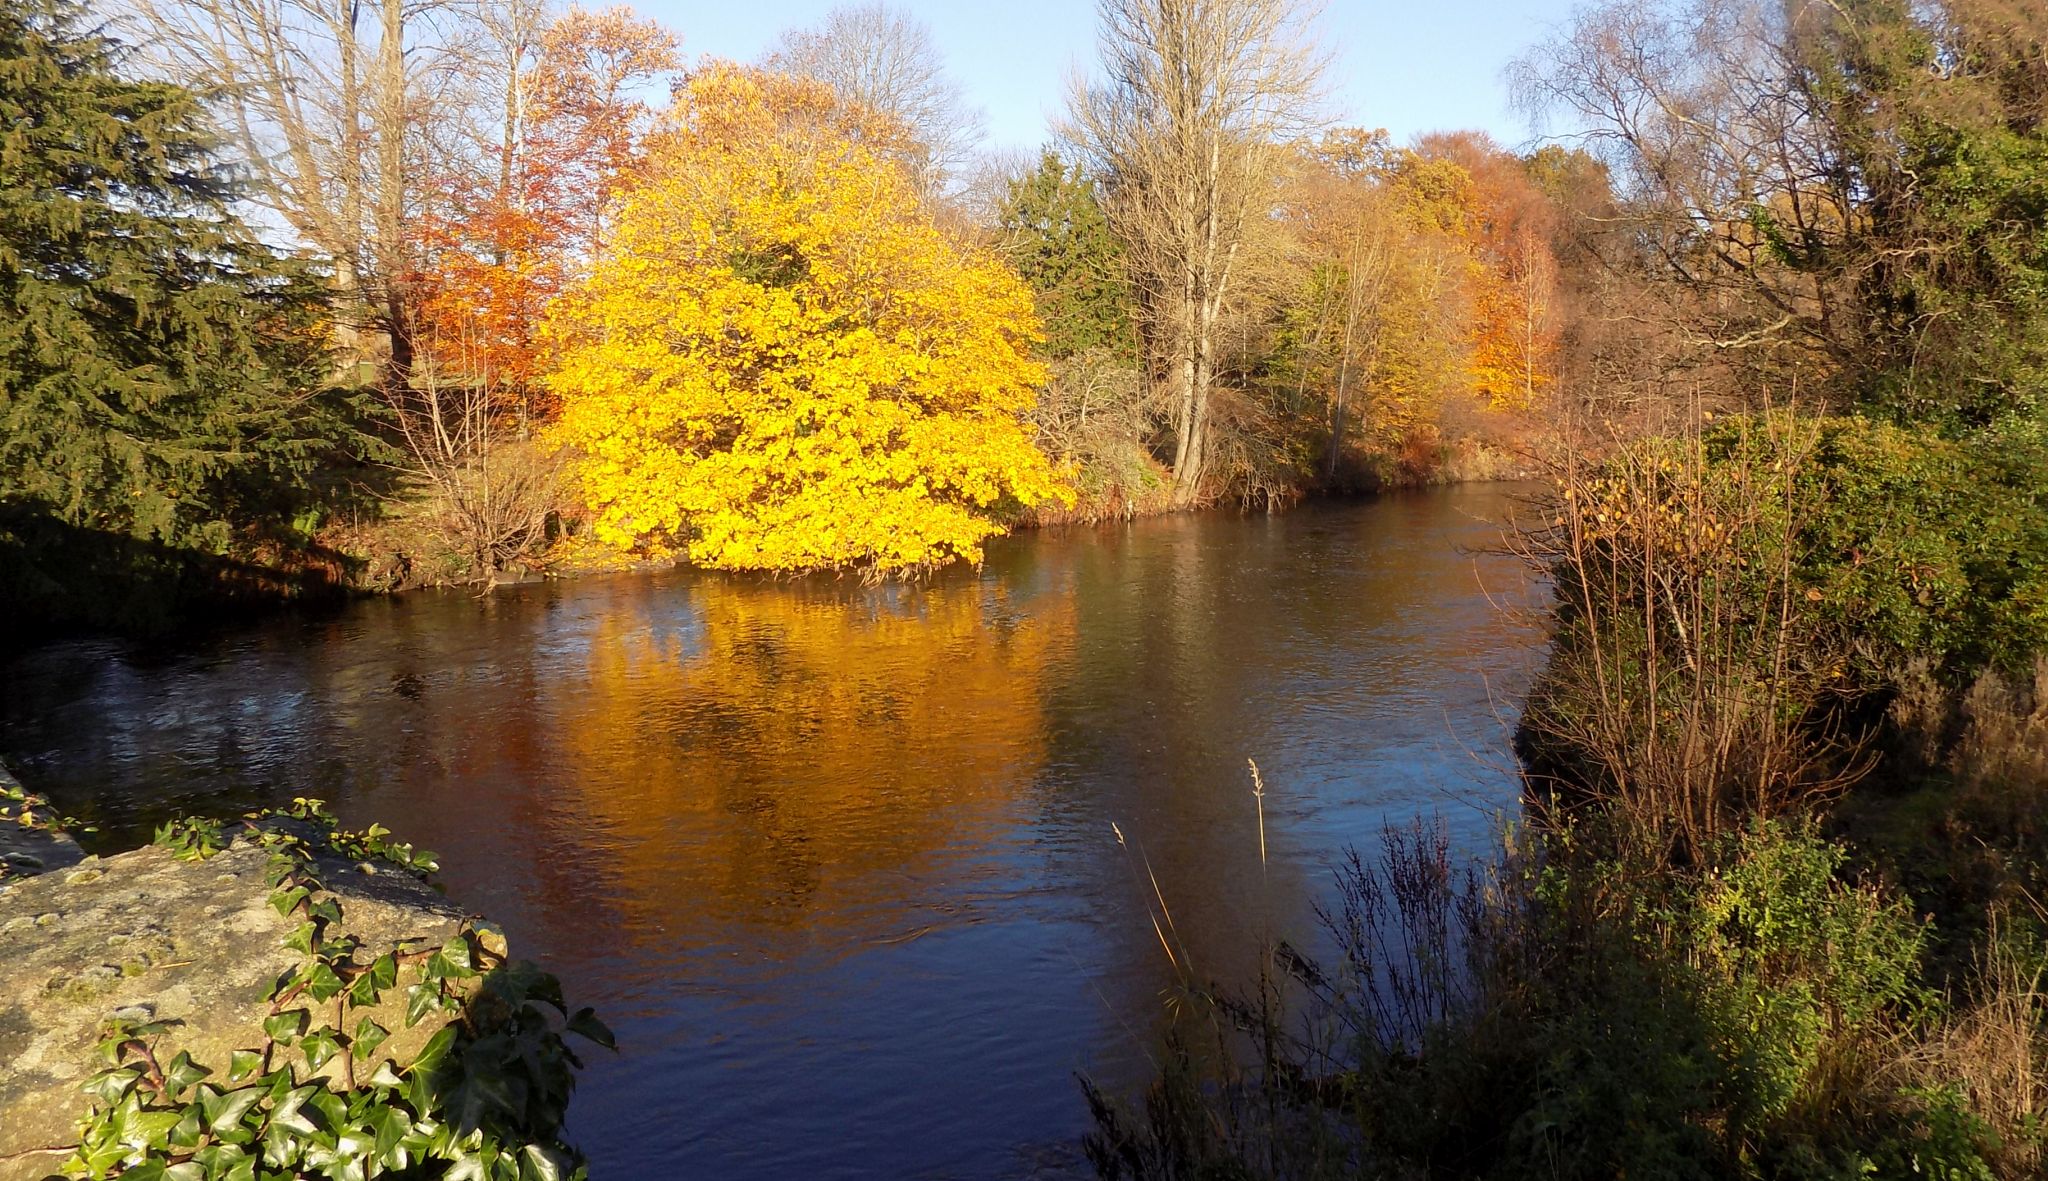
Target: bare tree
x,y
324,97
1734,190
1186,127
885,59
1340,210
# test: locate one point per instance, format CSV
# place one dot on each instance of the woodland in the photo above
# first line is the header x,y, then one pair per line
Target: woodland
x,y
403,294
509,288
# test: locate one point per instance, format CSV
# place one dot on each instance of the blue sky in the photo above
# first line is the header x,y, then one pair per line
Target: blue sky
x,y
1406,65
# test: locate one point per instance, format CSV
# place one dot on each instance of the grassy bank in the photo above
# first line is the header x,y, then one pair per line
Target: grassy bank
x,y
1774,905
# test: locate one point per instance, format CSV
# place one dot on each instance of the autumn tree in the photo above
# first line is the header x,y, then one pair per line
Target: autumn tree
x,y
1514,273
1183,129
498,243
1844,195
588,118
1351,239
884,59
781,363
499,234
325,104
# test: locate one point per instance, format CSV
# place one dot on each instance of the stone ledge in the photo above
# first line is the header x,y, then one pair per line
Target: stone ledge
x,y
146,936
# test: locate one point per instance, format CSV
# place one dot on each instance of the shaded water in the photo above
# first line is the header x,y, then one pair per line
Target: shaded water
x,y
837,862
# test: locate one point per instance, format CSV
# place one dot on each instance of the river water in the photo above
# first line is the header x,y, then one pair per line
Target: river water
x,y
841,865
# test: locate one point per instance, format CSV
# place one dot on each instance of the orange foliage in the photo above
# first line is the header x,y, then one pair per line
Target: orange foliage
x,y
1513,330
584,144
495,252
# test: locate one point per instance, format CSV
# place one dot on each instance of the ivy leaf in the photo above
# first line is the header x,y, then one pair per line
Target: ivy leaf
x,y
149,1129
320,1047
584,1023
389,1127
188,1131
301,940
430,1055
322,982
220,1159
182,1073
455,953
109,1086
286,900
369,1035
326,910
386,1076
541,1163
284,1027
288,1116
420,1000
224,1118
243,1063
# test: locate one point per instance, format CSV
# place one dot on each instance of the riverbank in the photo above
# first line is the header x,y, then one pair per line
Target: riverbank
x,y
1772,906
188,1005
80,582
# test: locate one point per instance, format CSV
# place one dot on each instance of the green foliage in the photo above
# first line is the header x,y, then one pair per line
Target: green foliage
x,y
20,807
1618,1020
1791,960
162,374
1949,1143
1054,233
191,838
484,1098
1924,546
1935,111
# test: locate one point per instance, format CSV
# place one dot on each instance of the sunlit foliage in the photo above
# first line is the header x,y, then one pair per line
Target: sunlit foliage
x,y
783,364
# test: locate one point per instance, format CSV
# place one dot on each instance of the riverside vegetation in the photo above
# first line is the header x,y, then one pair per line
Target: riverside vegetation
x,y
317,1091
481,315
1773,906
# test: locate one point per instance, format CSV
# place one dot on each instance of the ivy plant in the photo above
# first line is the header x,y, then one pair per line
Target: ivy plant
x,y
482,1099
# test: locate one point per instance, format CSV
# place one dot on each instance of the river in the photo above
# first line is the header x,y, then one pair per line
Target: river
x,y
861,876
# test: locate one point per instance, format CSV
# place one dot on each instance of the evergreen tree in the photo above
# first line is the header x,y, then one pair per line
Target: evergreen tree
x,y
161,372
1054,233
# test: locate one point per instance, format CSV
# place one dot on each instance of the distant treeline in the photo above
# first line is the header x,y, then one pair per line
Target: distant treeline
x,y
432,292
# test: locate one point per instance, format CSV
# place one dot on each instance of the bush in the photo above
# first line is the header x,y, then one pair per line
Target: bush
x,y
1736,603
1569,1014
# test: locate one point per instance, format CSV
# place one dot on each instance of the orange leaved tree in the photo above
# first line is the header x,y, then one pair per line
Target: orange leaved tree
x,y
781,363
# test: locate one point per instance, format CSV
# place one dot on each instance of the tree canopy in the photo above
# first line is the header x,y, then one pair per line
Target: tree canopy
x,y
160,371
783,363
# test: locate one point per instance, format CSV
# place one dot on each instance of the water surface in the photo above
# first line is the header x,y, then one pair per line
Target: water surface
x,y
837,863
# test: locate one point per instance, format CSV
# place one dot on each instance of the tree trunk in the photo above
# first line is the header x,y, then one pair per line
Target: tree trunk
x,y
391,119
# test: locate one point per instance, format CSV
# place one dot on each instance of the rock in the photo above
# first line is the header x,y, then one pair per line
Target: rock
x,y
28,849
196,943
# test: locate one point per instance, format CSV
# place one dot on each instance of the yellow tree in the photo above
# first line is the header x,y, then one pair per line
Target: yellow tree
x,y
782,363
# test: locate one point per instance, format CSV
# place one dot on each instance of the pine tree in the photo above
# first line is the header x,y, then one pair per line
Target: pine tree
x,y
161,371
1055,235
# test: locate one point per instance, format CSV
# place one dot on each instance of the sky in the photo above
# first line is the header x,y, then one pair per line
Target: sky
x,y
1409,66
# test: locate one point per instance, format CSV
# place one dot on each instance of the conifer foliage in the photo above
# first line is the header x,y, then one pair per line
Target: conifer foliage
x,y
161,372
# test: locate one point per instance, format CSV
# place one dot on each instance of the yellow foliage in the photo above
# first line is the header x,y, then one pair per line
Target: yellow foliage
x,y
782,364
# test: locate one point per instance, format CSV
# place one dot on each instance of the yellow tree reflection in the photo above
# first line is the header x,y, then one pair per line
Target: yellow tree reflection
x,y
783,754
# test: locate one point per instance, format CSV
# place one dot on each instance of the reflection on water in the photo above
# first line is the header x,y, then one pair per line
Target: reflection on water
x,y
837,861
